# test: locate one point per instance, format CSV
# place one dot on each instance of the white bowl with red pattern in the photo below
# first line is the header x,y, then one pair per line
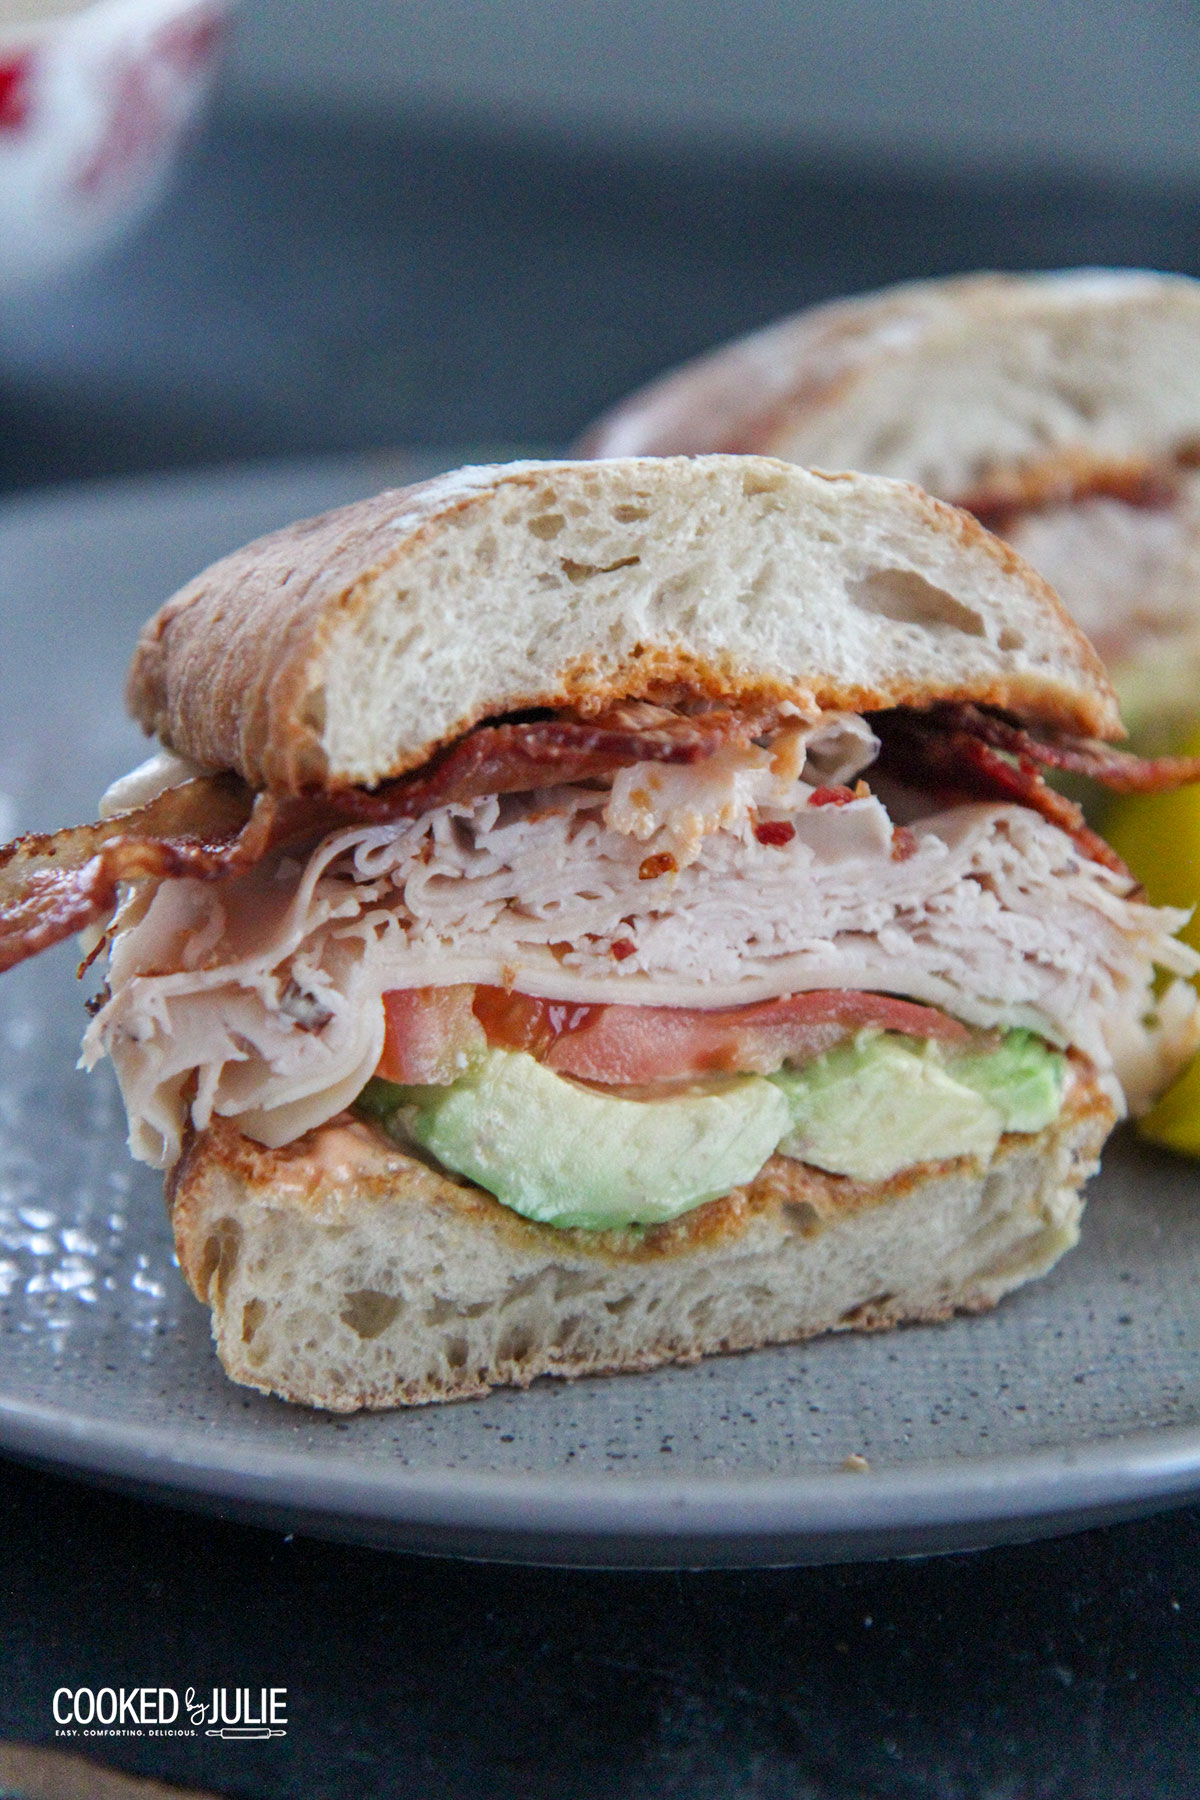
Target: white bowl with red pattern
x,y
93,103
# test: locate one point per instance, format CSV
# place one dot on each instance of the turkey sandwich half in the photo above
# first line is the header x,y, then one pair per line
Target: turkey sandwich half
x,y
592,914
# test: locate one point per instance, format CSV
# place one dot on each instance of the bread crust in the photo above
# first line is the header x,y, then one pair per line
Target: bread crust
x,y
342,1272
347,649
1099,348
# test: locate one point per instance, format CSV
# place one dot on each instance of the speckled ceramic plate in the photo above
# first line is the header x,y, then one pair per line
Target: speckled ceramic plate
x,y
1078,1400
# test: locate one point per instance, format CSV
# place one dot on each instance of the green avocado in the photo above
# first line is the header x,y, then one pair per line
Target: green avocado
x,y
565,1154
568,1155
884,1102
1023,1076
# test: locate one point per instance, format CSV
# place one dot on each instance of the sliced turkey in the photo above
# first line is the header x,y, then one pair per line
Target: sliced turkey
x,y
261,997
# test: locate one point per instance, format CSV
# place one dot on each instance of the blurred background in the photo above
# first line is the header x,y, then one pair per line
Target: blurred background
x,y
451,223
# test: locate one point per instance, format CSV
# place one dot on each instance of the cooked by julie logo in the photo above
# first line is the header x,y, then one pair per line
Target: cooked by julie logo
x,y
233,1713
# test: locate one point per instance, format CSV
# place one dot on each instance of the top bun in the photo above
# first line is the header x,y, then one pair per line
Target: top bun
x,y
947,383
347,649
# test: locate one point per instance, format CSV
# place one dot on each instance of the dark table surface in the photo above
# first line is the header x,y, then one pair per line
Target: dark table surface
x,y
315,285
1034,1673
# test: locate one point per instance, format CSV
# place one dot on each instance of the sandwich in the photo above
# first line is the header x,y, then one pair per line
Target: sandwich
x,y
586,915
1063,410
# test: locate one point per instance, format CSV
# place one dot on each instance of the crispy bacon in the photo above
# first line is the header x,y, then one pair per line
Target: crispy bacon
x,y
514,757
215,827
1118,770
960,749
947,756
55,884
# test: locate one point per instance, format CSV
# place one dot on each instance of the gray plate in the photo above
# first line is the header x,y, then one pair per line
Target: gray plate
x,y
1078,1400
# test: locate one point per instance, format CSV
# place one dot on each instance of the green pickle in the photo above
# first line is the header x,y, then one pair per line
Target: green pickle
x,y
1158,835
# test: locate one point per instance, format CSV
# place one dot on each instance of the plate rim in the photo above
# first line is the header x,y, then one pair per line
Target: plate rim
x,y
832,1514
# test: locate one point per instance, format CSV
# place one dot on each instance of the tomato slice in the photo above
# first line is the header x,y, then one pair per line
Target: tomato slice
x,y
430,1035
433,1033
522,1022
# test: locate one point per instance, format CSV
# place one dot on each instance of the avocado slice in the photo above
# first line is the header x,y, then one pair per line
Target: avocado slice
x,y
565,1154
1023,1076
884,1102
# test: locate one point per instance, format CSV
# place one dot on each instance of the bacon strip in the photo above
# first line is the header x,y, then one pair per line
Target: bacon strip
x,y
1118,770
948,756
54,884
215,827
515,757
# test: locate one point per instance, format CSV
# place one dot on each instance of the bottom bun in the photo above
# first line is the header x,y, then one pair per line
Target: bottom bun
x,y
343,1272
